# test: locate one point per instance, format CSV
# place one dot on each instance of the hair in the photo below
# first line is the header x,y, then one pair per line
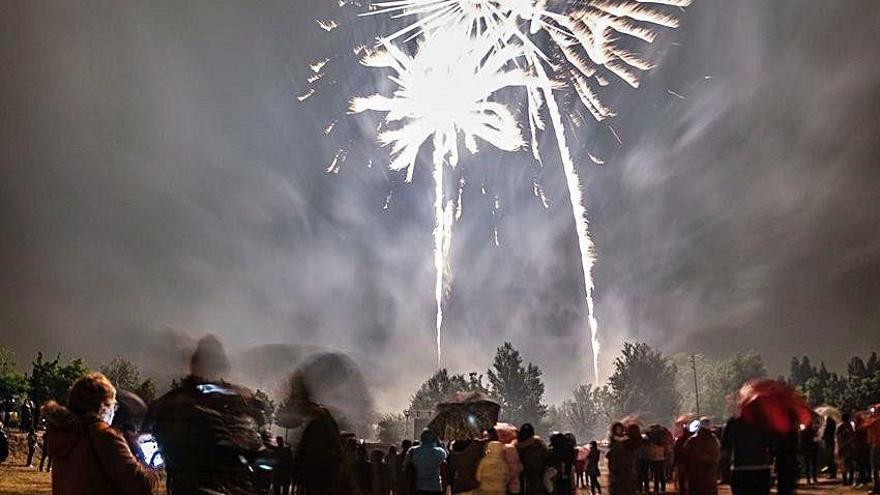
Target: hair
x,y
526,431
617,425
209,361
90,395
847,417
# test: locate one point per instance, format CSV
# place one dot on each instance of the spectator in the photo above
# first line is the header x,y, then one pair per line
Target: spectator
x,y
702,454
492,473
750,457
845,448
89,456
427,461
533,455
593,456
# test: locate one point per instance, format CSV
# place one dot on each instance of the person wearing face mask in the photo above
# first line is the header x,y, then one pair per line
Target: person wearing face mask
x,y
88,455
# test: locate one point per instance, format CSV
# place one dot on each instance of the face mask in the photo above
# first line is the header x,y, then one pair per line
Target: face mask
x,y
108,415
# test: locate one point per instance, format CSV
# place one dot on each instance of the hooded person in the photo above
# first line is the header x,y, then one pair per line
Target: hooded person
x,y
702,452
427,460
493,474
208,429
624,444
533,455
90,456
506,434
464,459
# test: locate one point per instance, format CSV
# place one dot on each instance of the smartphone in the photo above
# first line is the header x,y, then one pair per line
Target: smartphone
x,y
150,451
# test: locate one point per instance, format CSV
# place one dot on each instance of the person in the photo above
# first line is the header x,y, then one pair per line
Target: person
x,y
829,433
787,467
88,455
4,444
208,429
561,459
26,417
702,452
32,447
404,480
379,483
622,449
427,461
593,456
845,448
810,451
464,460
390,461
507,436
533,455
361,467
643,465
678,459
580,467
283,476
750,448
660,443
492,473
874,442
862,451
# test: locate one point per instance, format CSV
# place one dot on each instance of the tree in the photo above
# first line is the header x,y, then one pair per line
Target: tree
x,y
124,374
12,383
643,383
442,386
392,428
268,406
519,389
584,413
49,380
727,377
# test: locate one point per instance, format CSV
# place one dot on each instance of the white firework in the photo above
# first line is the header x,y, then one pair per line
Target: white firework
x,y
587,54
441,93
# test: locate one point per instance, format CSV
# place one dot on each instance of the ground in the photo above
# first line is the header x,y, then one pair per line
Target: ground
x,y
17,479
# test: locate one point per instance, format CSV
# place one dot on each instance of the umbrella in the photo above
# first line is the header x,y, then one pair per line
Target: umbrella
x,y
464,417
132,410
829,412
773,404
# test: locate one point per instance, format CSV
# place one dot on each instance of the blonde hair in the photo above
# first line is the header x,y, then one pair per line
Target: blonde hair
x,y
91,395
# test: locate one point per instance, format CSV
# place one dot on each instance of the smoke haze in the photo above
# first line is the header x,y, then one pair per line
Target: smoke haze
x,y
159,173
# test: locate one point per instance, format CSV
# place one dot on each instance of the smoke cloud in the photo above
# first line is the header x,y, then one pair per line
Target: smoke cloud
x,y
159,173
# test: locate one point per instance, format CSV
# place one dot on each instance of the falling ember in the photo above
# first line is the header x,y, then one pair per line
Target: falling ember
x,y
328,25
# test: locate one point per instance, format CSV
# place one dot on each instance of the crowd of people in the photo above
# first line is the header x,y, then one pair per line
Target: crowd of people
x,y
212,437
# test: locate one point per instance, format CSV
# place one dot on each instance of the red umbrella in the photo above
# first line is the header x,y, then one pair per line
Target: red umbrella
x,y
773,404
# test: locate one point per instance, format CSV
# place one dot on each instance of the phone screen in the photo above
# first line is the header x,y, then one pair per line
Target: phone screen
x,y
150,450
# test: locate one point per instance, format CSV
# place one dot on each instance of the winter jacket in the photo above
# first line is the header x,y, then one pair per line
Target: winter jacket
x,y
427,459
493,472
750,446
514,469
702,454
846,440
463,463
533,455
90,457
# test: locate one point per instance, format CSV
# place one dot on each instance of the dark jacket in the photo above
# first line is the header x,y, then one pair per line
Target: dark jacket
x,y
209,436
463,463
533,455
750,446
92,458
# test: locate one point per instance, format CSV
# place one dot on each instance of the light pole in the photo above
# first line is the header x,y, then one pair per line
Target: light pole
x,y
696,383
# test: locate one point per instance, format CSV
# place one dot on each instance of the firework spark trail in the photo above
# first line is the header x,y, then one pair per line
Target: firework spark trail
x,y
425,107
579,210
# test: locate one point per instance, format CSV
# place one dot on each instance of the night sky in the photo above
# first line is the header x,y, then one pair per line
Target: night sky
x,y
158,175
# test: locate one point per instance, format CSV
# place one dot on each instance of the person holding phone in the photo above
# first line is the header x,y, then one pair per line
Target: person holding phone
x,y
88,455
